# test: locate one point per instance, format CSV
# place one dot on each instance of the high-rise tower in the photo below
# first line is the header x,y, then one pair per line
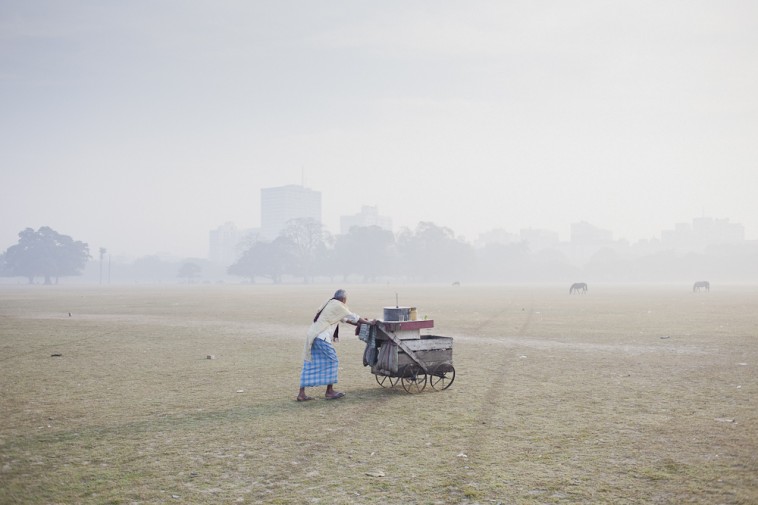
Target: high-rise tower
x,y
281,204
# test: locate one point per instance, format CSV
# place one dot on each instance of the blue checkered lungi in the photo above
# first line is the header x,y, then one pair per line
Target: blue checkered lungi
x,y
322,369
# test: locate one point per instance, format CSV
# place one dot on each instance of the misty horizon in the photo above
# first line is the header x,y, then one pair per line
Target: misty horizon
x,y
487,237
140,128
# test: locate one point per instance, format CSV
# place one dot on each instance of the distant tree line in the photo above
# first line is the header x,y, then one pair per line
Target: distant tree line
x,y
432,253
304,252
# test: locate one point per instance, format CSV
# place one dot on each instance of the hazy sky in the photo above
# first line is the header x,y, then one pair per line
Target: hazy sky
x,y
141,125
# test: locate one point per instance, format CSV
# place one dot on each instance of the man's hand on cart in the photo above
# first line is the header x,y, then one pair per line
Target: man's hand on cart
x,y
361,321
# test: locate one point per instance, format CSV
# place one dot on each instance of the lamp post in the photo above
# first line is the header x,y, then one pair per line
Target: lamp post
x,y
103,250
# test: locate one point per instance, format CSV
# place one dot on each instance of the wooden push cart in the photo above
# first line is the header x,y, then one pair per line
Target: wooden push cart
x,y
405,356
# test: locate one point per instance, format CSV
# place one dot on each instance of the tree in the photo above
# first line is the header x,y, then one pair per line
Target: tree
x,y
310,244
364,250
152,269
3,266
189,271
264,259
504,262
45,253
434,252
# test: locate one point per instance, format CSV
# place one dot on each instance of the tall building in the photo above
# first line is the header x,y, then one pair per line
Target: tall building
x,y
496,236
583,233
368,216
284,203
227,242
703,232
717,231
222,243
539,239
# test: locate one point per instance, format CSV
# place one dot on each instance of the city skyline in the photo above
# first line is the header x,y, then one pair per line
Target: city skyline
x,y
227,240
139,127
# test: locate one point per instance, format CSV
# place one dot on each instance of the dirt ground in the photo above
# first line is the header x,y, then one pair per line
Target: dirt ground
x,y
627,394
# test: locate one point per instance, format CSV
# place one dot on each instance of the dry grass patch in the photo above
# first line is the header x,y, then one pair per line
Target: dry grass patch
x,y
624,395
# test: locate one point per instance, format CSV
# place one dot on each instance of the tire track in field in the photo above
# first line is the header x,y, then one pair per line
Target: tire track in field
x,y
492,395
491,402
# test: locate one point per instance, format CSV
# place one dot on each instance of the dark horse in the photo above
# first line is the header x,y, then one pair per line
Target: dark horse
x,y
578,287
701,285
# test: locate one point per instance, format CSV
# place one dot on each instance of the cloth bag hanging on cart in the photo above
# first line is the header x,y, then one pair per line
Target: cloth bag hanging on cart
x,y
367,333
387,358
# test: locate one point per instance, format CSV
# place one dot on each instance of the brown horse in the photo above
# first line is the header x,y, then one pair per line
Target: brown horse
x,y
578,287
701,285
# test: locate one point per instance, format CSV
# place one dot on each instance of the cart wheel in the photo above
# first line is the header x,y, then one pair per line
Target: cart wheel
x,y
413,379
385,381
442,376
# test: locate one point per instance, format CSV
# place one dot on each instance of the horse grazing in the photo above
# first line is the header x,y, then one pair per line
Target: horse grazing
x,y
701,285
578,287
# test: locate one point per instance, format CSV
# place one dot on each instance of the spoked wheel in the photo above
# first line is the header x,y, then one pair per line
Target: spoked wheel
x,y
442,376
386,381
413,379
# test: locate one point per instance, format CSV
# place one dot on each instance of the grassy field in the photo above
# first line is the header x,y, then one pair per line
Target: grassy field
x,y
628,394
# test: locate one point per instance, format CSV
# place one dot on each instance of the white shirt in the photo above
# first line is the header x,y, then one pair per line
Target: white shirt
x,y
329,331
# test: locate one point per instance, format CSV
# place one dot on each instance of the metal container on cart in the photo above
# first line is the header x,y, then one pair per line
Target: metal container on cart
x,y
405,356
